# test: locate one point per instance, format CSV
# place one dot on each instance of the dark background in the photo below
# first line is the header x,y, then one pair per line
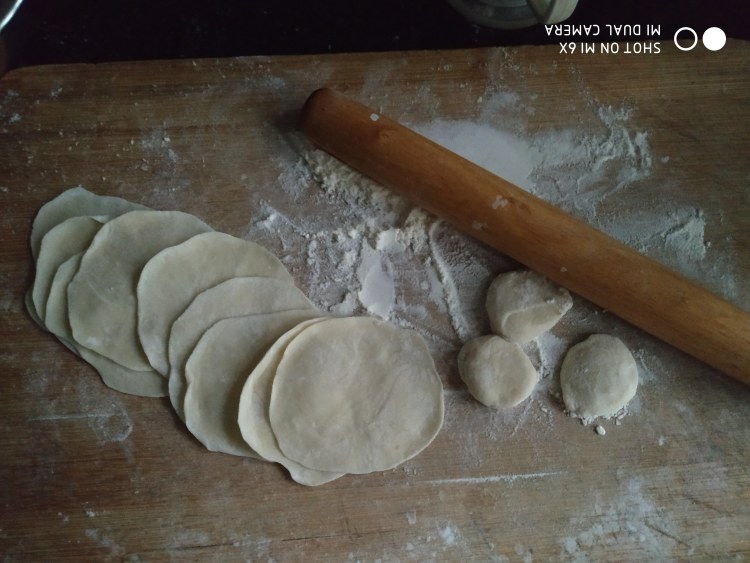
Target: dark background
x,y
66,31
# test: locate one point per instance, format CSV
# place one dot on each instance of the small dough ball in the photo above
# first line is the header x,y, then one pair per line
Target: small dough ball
x,y
523,304
497,372
598,377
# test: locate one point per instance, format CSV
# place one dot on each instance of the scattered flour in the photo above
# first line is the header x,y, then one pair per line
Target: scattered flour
x,y
103,413
447,534
524,553
370,259
631,519
108,420
390,259
104,540
509,479
377,292
502,153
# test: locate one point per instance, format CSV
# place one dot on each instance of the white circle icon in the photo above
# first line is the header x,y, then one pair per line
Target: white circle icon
x,y
714,38
695,39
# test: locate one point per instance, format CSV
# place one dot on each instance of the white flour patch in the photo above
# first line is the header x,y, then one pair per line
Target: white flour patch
x,y
502,153
377,292
156,154
105,541
103,413
259,546
495,478
91,403
446,539
630,519
189,538
550,350
524,553
675,235
106,426
465,271
447,534
157,144
365,264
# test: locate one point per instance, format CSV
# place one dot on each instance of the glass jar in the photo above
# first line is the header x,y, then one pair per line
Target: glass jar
x,y
514,14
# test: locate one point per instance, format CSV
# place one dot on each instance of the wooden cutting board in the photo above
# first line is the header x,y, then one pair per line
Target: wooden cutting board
x,y
87,473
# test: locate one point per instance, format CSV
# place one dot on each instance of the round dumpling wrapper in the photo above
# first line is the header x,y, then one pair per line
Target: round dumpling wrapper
x,y
233,298
102,295
141,383
171,280
253,415
72,236
355,395
217,370
74,203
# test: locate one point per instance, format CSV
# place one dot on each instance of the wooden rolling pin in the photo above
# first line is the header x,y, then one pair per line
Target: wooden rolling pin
x,y
533,232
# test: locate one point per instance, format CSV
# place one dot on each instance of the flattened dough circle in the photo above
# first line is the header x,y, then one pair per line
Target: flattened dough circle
x,y
102,295
74,203
174,276
141,383
253,416
57,301
217,370
355,395
70,237
232,298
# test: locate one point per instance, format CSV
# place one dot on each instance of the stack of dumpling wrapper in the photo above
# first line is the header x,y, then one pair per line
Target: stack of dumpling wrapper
x,y
160,304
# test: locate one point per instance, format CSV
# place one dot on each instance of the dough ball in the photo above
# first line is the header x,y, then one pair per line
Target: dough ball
x,y
497,372
598,377
523,304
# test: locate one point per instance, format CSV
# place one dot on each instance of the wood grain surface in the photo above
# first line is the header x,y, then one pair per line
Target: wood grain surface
x,y
87,473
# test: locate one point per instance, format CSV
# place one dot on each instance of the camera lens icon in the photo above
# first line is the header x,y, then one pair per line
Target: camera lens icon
x,y
713,38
